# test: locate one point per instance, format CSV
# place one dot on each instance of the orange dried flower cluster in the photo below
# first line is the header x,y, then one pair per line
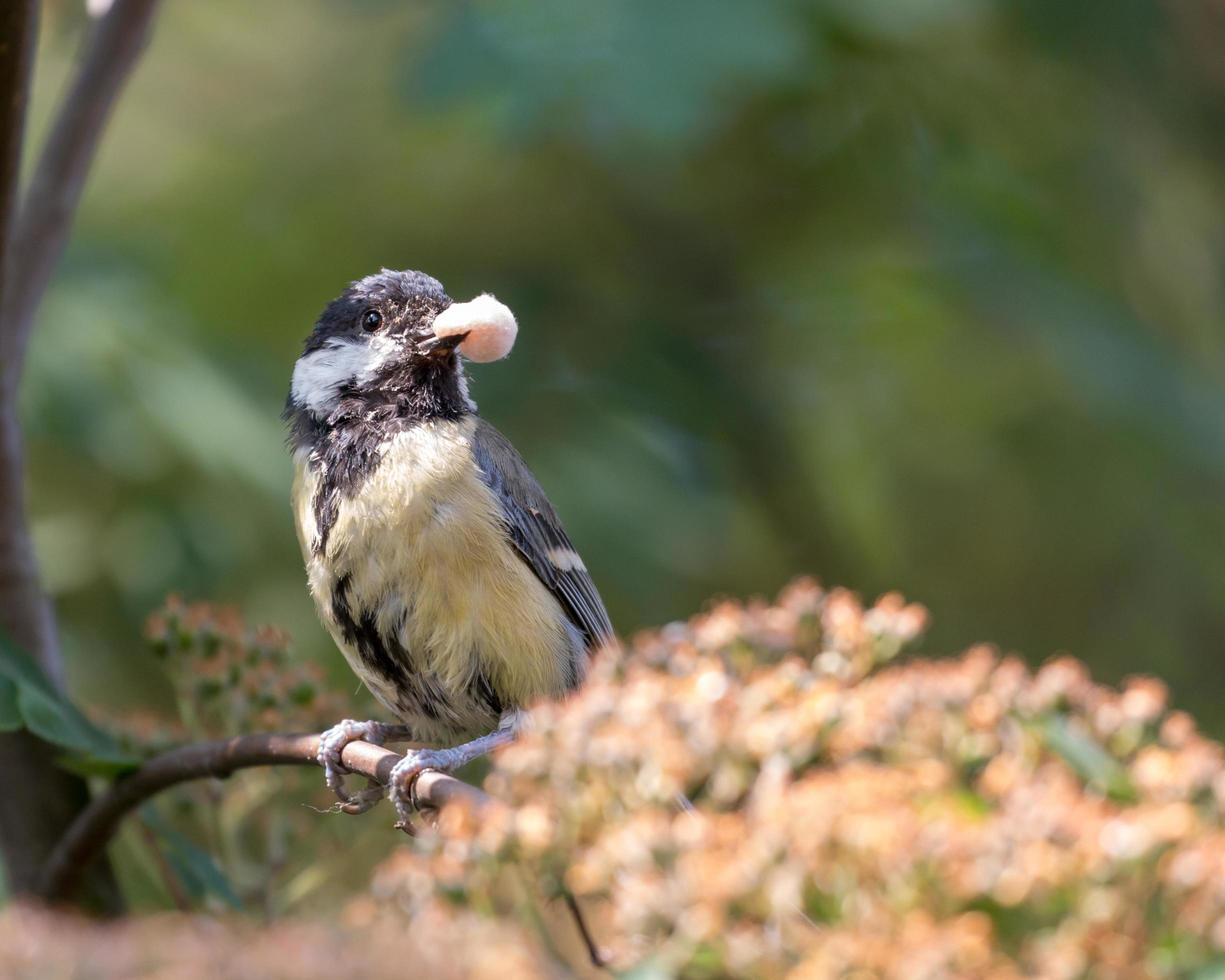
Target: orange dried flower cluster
x,y
759,792
231,678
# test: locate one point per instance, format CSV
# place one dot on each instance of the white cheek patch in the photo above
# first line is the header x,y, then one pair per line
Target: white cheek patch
x,y
490,327
319,375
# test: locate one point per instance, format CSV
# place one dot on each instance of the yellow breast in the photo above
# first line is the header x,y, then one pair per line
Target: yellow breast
x,y
422,543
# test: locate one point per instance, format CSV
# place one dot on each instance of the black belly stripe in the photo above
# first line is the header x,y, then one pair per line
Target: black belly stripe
x,y
428,696
363,634
418,692
481,690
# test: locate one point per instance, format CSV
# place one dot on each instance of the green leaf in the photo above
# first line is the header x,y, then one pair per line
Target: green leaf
x,y
21,668
566,69
1087,758
94,765
27,698
1214,970
46,716
194,866
60,722
10,714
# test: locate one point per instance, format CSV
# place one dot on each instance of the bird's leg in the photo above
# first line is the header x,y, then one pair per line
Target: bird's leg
x,y
332,743
403,778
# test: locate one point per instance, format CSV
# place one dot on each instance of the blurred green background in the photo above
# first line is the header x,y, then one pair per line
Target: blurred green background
x,y
920,295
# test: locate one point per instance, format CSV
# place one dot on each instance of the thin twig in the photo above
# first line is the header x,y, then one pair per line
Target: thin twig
x,y
593,950
94,827
46,213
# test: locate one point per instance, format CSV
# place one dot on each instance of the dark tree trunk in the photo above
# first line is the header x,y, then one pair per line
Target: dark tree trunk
x,y
37,800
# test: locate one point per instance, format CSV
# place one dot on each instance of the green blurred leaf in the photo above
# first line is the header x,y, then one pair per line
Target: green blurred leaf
x,y
60,722
49,718
10,714
1088,759
1209,971
21,668
28,699
636,69
107,767
885,20
194,866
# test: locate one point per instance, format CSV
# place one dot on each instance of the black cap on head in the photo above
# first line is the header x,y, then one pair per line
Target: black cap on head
x,y
404,302
373,356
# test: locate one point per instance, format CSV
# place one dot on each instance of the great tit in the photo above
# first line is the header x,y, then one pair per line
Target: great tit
x,y
434,558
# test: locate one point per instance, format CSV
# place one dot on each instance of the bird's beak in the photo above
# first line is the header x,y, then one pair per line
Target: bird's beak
x,y
441,346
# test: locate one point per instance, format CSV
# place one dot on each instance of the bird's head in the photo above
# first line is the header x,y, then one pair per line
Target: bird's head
x,y
391,343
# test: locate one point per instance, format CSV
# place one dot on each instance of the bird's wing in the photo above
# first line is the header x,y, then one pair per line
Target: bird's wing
x,y
537,533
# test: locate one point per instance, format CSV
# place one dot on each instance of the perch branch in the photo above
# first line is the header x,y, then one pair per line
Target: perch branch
x,y
45,217
93,828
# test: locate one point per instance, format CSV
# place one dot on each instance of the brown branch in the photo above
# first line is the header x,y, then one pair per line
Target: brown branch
x,y
55,188
94,827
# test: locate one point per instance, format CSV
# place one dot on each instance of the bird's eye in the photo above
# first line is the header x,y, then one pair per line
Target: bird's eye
x,y
372,320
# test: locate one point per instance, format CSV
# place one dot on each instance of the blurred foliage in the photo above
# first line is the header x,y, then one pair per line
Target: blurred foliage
x,y
767,790
41,945
923,296
231,679
249,842
761,793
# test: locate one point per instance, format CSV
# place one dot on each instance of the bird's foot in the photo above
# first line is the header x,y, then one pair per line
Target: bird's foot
x,y
402,783
332,743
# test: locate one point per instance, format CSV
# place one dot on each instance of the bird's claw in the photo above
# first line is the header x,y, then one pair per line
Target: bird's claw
x,y
402,782
332,744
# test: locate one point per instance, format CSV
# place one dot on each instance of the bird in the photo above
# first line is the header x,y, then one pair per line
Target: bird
x,y
434,558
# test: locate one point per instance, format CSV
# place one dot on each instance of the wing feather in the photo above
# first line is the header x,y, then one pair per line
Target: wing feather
x,y
537,534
